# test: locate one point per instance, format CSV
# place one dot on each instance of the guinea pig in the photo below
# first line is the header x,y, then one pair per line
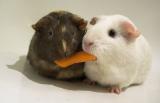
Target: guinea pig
x,y
123,54
57,35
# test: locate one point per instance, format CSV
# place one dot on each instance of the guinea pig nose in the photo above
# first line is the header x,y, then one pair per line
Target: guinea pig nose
x,y
88,43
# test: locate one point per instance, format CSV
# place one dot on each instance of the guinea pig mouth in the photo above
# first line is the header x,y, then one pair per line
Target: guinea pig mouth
x,y
67,53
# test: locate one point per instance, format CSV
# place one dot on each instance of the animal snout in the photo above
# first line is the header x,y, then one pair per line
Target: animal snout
x,y
67,54
65,48
87,45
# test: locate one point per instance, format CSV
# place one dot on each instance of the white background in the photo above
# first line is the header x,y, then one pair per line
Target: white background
x,y
19,84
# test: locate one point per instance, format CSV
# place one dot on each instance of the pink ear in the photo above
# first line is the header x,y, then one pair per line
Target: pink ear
x,y
130,29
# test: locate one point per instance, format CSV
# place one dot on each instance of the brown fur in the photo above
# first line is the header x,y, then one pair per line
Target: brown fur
x,y
46,44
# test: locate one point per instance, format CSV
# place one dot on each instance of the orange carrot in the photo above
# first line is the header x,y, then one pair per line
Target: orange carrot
x,y
75,58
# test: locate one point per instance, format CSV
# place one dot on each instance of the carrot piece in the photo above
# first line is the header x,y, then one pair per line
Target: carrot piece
x,y
75,58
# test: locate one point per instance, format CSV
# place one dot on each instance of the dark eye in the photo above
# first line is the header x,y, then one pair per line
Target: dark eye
x,y
112,33
50,33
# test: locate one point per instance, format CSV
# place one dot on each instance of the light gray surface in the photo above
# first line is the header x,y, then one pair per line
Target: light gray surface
x,y
18,83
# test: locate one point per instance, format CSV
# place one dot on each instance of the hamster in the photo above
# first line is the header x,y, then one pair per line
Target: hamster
x,y
123,54
57,35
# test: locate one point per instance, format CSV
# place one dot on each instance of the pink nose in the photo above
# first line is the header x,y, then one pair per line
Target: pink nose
x,y
87,44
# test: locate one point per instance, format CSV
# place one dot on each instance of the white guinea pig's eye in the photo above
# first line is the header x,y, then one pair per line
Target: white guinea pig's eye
x,y
112,33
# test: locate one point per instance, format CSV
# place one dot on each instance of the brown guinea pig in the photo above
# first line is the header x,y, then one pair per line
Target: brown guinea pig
x,y
57,35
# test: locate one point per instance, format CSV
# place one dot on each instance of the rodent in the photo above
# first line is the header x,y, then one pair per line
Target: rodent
x,y
57,35
123,54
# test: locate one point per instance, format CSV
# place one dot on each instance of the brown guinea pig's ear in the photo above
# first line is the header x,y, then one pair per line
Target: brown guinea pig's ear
x,y
38,26
34,27
41,24
80,22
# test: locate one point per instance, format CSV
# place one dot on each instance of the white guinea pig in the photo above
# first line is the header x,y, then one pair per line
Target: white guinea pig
x,y
123,54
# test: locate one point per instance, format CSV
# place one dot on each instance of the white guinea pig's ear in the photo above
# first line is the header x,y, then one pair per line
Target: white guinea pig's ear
x,y
131,32
93,21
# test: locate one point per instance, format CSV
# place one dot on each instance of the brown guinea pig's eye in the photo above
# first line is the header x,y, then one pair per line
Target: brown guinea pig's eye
x,y
50,33
112,33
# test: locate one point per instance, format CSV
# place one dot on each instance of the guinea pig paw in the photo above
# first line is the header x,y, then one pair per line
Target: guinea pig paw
x,y
89,82
114,89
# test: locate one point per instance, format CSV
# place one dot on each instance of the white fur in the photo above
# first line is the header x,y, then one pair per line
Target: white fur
x,y
119,62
